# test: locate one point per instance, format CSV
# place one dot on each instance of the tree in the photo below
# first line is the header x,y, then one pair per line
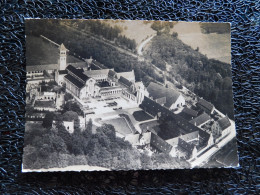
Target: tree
x,y
89,126
175,34
157,26
68,97
72,106
47,121
70,116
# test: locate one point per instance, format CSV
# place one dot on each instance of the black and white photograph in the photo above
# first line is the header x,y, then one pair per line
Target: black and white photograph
x,y
128,95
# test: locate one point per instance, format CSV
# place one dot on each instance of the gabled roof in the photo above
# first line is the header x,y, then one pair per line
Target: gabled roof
x,y
205,104
157,91
78,72
174,141
184,125
204,117
91,73
128,75
204,137
190,112
224,123
159,144
190,136
125,82
186,146
73,80
62,47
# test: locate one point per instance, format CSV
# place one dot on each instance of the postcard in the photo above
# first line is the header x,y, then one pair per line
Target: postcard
x,y
128,95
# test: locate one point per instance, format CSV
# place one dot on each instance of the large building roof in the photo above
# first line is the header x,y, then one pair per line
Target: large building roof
x,y
205,104
157,91
156,142
92,73
73,80
188,147
190,112
78,72
224,123
128,75
204,117
181,124
125,82
174,141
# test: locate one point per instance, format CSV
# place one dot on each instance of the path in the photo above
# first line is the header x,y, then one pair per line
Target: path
x,y
206,156
141,46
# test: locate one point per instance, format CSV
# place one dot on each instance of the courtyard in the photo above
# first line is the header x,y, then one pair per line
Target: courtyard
x,y
120,124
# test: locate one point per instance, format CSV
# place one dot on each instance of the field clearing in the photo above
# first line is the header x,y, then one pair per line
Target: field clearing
x,y
42,52
132,30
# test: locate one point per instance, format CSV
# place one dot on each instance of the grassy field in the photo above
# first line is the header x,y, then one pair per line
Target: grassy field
x,y
41,52
131,29
141,116
120,125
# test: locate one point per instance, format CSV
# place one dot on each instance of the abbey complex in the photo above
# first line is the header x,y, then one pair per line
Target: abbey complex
x,y
155,118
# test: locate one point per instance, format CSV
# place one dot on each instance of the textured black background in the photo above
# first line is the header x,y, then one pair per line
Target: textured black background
x,y
244,16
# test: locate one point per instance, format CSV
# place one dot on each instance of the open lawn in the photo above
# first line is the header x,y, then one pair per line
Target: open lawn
x,y
120,125
141,116
42,52
138,30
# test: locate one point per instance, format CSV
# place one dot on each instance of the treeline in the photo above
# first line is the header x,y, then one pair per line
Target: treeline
x,y
55,147
86,47
97,27
219,28
208,78
162,27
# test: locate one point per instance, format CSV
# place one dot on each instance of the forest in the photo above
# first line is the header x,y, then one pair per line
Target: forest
x,y
208,78
99,28
49,147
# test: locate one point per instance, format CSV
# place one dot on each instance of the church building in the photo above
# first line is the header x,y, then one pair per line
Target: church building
x,y
83,82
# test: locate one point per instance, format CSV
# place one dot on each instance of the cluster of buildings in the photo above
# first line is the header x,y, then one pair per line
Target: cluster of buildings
x,y
184,135
180,135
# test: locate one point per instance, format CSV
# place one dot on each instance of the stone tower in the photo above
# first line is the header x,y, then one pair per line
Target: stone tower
x,y
63,57
141,92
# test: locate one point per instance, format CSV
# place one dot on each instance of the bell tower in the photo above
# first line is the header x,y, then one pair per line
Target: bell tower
x,y
141,92
63,57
